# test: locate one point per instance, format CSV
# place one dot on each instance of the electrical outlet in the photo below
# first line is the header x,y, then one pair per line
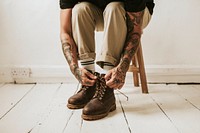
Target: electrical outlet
x,y
20,72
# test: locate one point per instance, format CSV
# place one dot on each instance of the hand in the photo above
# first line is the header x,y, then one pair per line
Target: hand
x,y
85,77
115,78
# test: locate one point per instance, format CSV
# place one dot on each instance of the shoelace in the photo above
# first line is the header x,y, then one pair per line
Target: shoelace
x,y
100,87
99,92
82,88
123,94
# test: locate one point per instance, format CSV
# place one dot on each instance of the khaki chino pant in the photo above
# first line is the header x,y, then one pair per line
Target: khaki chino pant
x,y
86,18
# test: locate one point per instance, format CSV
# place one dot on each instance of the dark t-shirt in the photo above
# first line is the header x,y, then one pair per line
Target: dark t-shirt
x,y
130,5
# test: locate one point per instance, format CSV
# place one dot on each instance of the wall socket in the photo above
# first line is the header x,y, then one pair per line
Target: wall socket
x,y
20,72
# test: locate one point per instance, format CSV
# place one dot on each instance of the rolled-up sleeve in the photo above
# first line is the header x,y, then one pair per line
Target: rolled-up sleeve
x,y
64,4
135,5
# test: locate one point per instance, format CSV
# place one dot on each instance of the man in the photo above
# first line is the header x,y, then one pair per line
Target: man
x,y
122,22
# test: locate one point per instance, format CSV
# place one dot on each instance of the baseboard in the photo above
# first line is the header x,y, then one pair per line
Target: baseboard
x,y
54,74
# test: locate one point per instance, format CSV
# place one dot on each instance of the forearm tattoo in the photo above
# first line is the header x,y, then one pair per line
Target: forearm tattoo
x,y
71,57
134,21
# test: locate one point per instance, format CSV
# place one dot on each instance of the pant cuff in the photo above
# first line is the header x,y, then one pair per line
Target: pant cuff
x,y
106,58
87,55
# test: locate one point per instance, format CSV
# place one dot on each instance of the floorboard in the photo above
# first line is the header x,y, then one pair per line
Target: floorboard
x,y
41,108
197,87
143,114
113,123
74,124
59,118
179,111
11,95
190,93
28,112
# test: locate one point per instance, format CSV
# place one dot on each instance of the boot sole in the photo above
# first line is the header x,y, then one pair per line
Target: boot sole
x,y
100,116
72,106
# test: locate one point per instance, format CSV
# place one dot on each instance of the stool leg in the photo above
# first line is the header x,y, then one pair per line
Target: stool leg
x,y
135,73
142,70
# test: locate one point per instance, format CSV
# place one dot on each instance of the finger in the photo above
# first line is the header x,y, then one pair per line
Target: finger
x,y
108,76
90,75
116,85
110,82
88,82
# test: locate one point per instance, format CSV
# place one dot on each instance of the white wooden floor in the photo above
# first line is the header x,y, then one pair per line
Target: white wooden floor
x,y
41,108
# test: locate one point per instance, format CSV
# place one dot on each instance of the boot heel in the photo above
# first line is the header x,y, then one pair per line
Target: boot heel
x,y
113,108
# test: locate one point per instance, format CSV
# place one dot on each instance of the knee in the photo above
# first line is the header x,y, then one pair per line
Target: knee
x,y
80,9
115,7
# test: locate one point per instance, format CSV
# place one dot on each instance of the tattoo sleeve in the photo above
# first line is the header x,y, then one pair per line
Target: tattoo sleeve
x,y
70,53
134,21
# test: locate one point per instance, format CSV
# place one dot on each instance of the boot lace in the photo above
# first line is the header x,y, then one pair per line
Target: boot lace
x,y
100,87
83,88
123,94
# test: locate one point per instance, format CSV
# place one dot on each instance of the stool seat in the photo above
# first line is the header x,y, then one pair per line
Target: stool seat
x,y
138,69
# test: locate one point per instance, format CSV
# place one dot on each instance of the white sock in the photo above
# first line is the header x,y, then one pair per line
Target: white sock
x,y
106,67
88,64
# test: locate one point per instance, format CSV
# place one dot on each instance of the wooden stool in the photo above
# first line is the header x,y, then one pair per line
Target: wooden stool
x,y
137,67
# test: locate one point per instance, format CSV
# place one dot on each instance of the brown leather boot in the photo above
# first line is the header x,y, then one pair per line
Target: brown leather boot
x,y
82,97
102,103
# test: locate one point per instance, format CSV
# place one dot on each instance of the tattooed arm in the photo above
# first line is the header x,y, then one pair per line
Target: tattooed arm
x,y
134,22
70,50
116,77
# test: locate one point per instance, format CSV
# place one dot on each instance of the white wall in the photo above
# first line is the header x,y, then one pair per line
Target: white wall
x,y
173,37
29,37
30,33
